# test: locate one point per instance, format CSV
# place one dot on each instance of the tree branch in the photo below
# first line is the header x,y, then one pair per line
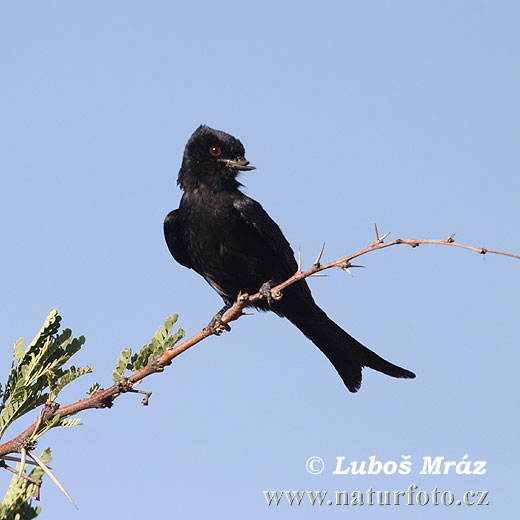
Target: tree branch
x,y
104,398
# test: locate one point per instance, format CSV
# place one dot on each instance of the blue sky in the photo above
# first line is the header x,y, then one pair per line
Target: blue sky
x,y
401,113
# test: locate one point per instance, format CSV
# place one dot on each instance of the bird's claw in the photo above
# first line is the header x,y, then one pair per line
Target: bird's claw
x,y
217,326
265,292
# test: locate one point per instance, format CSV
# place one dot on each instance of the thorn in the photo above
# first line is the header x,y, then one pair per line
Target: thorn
x,y
483,252
299,260
316,263
319,275
450,238
51,476
247,314
346,266
379,240
23,453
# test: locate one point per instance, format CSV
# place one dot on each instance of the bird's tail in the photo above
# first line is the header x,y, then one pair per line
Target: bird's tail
x,y
346,353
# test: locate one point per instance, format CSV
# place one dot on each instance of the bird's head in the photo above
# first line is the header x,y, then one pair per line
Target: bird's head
x,y
212,158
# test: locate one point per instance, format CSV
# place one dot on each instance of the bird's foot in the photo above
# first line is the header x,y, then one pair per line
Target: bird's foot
x,y
265,292
216,325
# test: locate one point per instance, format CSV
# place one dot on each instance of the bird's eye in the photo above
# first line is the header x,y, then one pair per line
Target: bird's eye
x,y
215,150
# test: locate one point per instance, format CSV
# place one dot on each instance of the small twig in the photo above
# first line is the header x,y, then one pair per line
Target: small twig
x,y
36,482
146,397
16,459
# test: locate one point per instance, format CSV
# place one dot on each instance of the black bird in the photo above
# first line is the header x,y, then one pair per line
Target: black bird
x,y
231,241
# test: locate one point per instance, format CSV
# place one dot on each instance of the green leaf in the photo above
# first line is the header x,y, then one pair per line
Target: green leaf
x,y
37,368
170,322
18,349
161,340
121,365
93,389
70,375
53,422
71,421
174,338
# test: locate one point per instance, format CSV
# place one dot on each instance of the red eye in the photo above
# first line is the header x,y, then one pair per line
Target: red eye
x,y
214,150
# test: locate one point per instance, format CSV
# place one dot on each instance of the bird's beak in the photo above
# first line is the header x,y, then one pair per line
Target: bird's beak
x,y
237,164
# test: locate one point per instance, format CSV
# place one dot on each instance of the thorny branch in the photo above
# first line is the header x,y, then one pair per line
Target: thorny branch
x,y
104,398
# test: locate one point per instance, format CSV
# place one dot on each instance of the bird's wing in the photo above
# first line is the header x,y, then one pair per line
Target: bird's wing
x,y
174,240
254,215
